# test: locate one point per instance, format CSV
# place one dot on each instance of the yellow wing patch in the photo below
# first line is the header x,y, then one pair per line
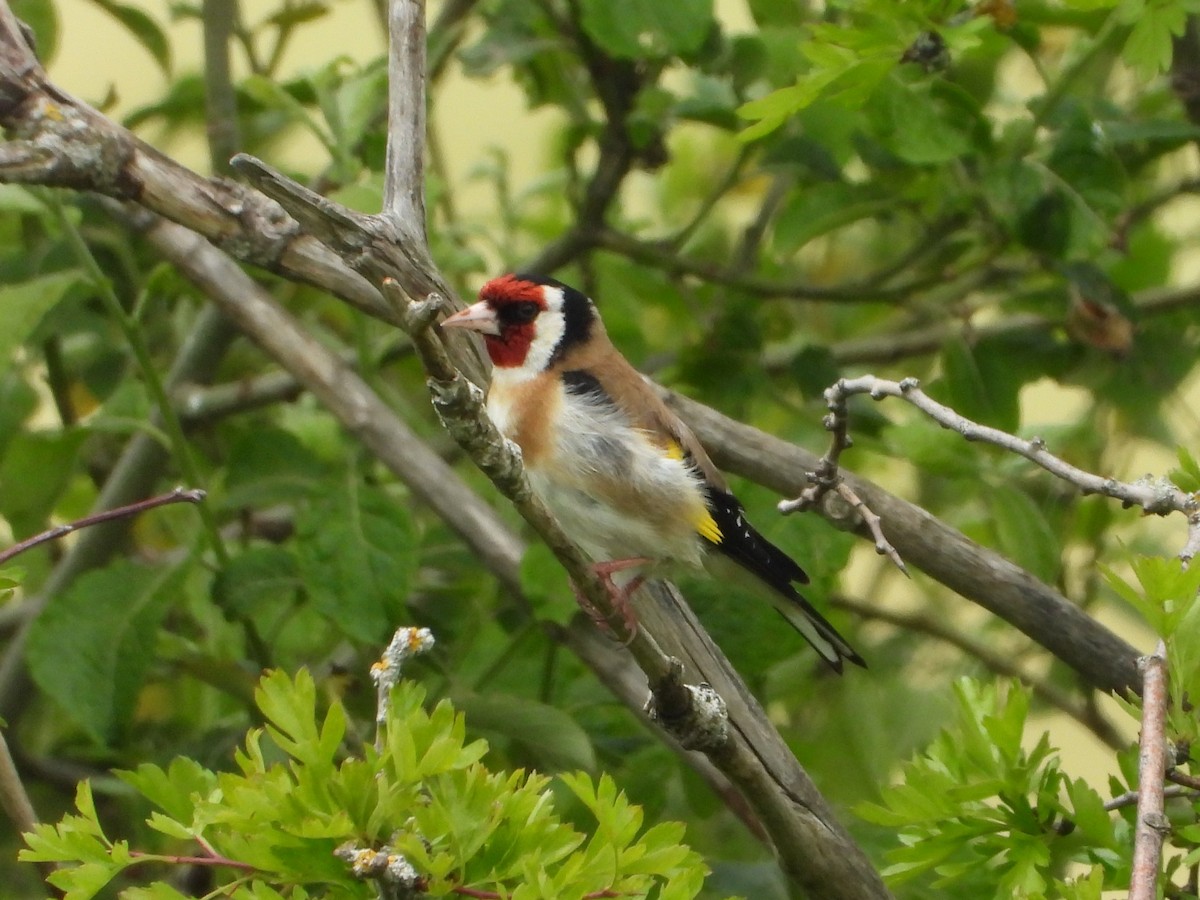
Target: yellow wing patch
x,y
701,519
706,526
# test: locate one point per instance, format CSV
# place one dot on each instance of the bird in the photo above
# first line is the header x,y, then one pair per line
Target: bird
x,y
622,474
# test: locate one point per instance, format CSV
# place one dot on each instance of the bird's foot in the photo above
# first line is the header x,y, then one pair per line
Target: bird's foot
x,y
618,594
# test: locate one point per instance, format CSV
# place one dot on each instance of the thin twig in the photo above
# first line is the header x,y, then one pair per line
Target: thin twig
x,y
15,800
179,495
1156,496
1191,782
826,477
213,861
1152,823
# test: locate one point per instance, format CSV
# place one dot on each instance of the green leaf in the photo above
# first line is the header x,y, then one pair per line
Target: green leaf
x,y
356,547
1187,476
84,881
1024,535
11,578
296,13
554,737
933,449
1148,47
273,96
92,646
17,199
910,124
1088,813
174,790
256,579
22,306
147,31
545,583
978,386
268,466
36,471
160,890
42,17
18,401
636,29
818,209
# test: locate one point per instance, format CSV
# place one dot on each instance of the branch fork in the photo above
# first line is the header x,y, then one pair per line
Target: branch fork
x,y
826,478
1155,495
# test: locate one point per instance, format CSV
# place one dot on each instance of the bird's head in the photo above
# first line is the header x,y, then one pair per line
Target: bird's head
x,y
528,321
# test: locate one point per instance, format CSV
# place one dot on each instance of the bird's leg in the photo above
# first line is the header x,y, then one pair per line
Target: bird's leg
x,y
619,595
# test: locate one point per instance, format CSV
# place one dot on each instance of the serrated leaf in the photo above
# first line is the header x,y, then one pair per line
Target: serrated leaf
x,y
1088,813
147,31
91,647
633,29
174,790
356,550
1148,47
83,882
1187,476
255,578
290,706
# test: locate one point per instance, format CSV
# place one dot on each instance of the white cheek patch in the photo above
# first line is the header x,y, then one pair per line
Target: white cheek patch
x,y
550,326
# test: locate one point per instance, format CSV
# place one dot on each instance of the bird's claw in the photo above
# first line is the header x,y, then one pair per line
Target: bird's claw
x,y
617,594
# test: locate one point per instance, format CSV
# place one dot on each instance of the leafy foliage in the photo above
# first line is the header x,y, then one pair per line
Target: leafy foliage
x,y
986,814
991,197
423,796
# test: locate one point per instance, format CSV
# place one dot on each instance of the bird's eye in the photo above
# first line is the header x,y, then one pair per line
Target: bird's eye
x,y
522,312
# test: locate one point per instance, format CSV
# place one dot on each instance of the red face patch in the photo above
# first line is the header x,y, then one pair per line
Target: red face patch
x,y
509,348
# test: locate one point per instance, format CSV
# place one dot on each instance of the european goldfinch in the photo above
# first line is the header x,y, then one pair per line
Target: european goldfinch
x,y
624,477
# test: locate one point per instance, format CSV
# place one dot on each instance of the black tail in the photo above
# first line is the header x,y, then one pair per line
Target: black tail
x,y
753,552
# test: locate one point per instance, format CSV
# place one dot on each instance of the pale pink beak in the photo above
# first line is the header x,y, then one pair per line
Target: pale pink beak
x,y
480,317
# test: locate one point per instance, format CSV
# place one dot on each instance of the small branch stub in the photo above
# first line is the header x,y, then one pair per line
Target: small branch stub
x,y
395,875
695,715
179,495
406,643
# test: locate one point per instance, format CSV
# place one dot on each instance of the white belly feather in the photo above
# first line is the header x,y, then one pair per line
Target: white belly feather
x,y
612,489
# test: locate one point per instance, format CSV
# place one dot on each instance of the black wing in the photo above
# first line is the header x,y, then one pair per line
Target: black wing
x,y
753,552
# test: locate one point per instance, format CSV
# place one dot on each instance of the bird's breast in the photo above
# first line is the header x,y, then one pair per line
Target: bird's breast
x,y
526,410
